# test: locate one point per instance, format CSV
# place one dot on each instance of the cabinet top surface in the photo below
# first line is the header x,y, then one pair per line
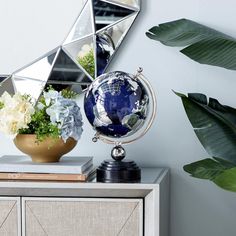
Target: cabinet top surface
x,y
151,179
150,176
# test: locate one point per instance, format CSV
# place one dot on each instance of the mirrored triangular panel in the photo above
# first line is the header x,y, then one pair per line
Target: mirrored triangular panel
x,y
28,86
32,78
109,40
82,52
83,26
7,85
3,77
128,3
66,71
39,69
106,13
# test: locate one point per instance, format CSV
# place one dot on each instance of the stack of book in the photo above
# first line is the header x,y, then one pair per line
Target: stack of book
x,y
78,169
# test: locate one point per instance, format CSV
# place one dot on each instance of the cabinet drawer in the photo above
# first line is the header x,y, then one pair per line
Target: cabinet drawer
x,y
84,216
10,216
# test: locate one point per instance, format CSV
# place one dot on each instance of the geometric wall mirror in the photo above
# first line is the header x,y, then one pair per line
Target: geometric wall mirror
x,y
85,53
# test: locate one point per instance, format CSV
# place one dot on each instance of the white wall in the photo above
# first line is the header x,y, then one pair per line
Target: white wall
x,y
198,208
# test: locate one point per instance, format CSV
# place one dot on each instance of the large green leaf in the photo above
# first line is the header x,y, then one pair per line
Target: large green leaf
x,y
216,52
214,125
208,168
205,45
227,180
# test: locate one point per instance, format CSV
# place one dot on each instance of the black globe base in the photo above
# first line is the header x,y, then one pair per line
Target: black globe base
x,y
112,171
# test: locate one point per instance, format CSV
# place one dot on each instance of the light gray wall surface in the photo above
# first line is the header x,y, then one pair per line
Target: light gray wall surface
x,y
198,208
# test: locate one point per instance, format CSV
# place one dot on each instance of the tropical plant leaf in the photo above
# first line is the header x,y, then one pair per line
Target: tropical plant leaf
x,y
204,45
214,125
227,180
183,32
208,168
216,52
226,164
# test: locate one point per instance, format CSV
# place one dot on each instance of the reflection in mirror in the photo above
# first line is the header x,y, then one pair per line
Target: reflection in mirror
x,y
3,77
129,3
106,13
105,49
34,87
82,52
66,71
83,26
7,86
34,76
109,40
38,70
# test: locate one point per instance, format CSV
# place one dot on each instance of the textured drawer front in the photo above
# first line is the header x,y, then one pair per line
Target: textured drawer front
x,y
10,217
87,217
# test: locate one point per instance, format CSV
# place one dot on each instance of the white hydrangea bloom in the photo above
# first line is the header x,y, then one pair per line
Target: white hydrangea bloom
x,y
15,114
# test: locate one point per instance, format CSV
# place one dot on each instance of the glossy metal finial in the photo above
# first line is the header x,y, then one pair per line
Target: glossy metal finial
x,y
140,70
118,153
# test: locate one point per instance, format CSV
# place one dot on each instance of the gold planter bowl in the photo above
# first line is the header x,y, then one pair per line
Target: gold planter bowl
x,y
49,150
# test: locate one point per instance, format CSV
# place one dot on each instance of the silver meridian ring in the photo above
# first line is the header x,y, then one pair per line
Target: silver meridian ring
x,y
149,123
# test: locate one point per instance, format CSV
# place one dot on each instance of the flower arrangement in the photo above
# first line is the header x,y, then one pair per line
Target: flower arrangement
x,y
55,115
86,59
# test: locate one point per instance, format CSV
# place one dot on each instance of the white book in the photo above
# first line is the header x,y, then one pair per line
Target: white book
x,y
24,164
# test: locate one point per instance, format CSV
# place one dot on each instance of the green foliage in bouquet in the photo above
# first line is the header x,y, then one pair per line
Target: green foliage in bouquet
x,y
41,124
66,93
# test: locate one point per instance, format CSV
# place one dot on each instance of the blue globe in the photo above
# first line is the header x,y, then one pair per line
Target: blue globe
x,y
116,104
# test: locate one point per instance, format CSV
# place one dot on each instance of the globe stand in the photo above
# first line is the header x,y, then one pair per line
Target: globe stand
x,y
118,170
121,107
